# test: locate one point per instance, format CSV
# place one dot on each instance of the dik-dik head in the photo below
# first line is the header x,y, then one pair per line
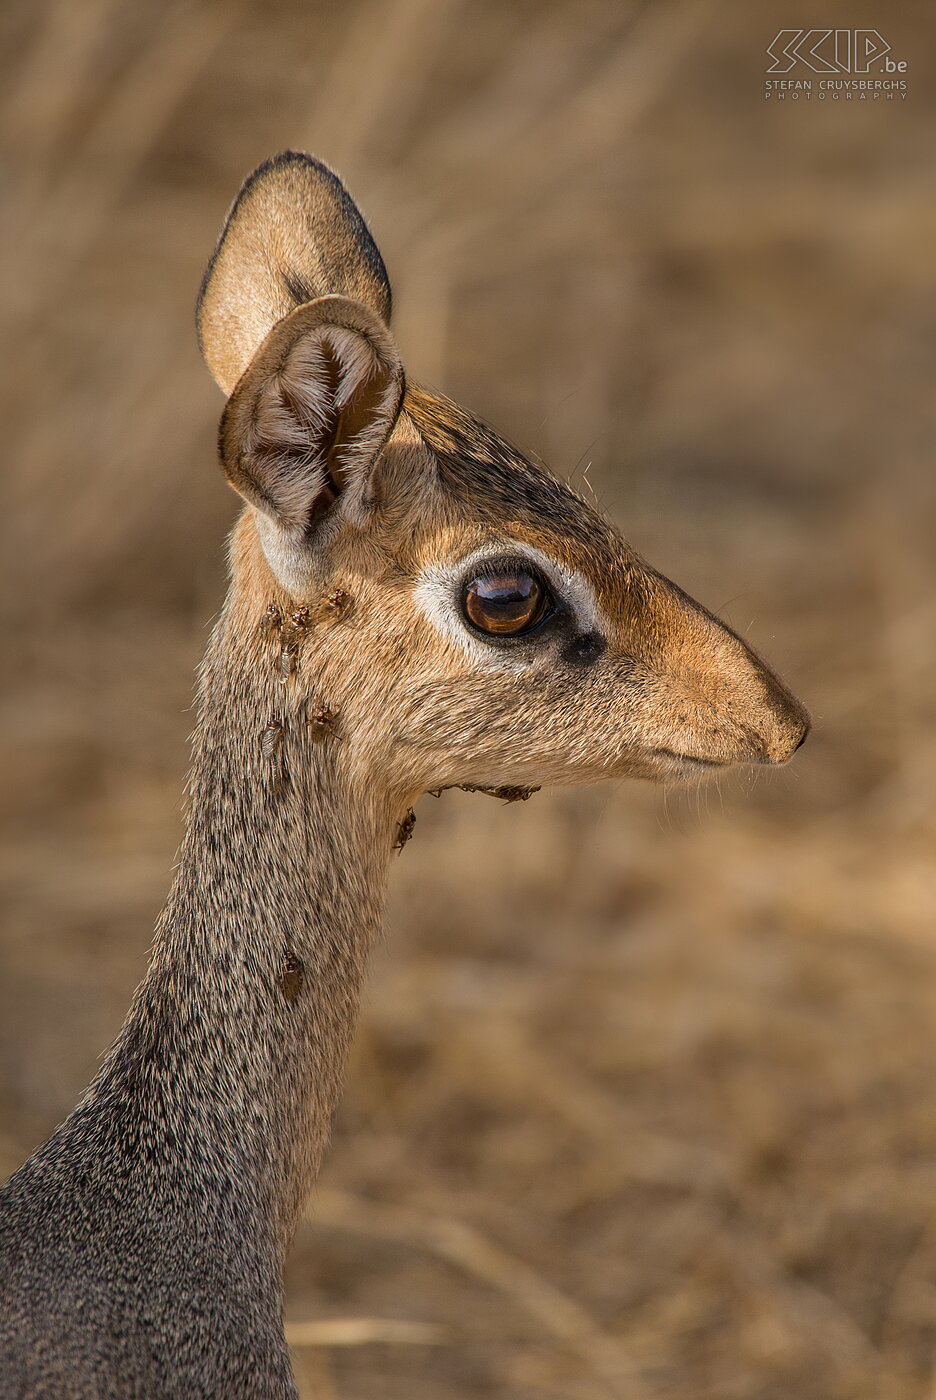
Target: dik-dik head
x,y
491,627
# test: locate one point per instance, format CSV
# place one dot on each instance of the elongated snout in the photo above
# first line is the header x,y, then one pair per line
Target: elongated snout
x,y
716,702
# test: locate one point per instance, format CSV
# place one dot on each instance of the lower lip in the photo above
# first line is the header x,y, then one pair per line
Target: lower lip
x,y
688,758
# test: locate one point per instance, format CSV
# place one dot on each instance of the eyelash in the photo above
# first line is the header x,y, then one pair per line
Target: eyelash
x,y
506,564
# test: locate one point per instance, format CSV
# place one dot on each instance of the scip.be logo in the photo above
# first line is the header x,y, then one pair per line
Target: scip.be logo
x,y
831,51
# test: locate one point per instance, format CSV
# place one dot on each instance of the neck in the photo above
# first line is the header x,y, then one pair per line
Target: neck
x,y
235,1046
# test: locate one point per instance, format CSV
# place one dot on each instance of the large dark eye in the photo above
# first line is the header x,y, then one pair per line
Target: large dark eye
x,y
506,601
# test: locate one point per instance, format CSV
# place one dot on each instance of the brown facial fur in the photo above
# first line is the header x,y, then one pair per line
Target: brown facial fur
x,y
664,690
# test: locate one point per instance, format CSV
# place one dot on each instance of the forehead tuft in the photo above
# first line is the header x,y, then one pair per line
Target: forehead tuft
x,y
495,485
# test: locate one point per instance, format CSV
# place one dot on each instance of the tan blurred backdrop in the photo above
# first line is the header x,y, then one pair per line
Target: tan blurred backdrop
x,y
642,1103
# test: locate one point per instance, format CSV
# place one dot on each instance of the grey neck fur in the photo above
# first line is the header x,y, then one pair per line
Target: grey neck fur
x,y
167,1198
243,1022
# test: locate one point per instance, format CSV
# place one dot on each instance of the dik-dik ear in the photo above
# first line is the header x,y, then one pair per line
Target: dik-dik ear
x,y
293,234
311,413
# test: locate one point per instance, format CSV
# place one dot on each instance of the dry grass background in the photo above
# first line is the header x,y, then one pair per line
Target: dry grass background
x,y
642,1103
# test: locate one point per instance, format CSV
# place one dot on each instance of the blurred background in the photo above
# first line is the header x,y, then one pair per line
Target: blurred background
x,y
642,1103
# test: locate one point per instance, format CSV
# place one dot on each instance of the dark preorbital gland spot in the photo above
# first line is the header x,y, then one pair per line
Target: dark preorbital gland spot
x,y
586,647
292,976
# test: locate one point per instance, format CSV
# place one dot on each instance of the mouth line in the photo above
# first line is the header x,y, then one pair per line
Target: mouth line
x,y
689,758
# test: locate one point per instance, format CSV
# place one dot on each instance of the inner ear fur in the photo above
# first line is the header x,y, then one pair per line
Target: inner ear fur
x,y
312,412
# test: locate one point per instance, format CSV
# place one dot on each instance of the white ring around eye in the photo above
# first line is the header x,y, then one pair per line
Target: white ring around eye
x,y
438,589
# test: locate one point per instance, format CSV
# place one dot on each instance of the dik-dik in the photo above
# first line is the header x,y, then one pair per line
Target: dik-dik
x,y
413,605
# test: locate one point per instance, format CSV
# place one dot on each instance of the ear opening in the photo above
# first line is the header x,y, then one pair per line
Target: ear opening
x,y
311,413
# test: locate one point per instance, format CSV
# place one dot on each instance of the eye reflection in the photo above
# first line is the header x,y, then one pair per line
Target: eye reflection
x,y
506,602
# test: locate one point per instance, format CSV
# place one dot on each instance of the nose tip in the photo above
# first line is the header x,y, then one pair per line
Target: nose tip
x,y
789,734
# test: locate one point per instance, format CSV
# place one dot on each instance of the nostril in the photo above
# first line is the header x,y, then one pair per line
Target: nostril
x,y
790,735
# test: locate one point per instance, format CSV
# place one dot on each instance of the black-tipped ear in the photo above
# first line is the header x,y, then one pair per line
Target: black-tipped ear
x,y
312,412
293,234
